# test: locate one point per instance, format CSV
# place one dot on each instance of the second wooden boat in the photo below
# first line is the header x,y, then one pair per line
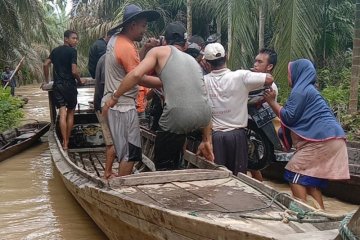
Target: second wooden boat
x,y
18,139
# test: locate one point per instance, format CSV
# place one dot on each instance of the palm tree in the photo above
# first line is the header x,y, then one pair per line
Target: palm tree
x,y
189,17
26,30
355,70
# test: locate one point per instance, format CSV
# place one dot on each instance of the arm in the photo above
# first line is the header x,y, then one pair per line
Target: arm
x,y
150,82
270,96
132,78
46,66
205,148
152,42
75,73
74,68
269,80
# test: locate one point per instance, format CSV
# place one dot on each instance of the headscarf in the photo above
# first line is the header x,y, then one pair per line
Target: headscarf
x,y
306,112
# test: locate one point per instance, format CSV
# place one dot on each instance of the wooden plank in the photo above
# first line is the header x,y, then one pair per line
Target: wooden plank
x,y
89,150
150,164
166,177
100,162
202,162
318,235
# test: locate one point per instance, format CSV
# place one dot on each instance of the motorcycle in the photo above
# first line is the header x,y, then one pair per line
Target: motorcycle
x,y
264,146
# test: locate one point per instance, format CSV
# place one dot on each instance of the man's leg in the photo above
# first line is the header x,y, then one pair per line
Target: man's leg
x,y
110,157
256,174
12,91
69,125
125,168
168,149
63,126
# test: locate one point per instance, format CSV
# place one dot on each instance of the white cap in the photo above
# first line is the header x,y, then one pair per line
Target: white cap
x,y
214,51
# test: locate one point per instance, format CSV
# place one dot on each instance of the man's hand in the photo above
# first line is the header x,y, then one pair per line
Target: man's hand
x,y
152,42
205,150
108,104
82,81
205,65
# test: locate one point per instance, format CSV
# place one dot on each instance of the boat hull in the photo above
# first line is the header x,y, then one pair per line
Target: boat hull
x,y
23,144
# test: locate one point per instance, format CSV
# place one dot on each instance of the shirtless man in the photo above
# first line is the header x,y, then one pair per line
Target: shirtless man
x,y
186,106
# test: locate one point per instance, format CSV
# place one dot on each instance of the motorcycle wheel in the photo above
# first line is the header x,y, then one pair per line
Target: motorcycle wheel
x,y
260,149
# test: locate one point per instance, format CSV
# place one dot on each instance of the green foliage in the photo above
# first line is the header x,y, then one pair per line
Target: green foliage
x,y
351,124
10,110
335,85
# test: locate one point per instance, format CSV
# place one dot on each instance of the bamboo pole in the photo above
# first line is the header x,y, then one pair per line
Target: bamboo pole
x,y
14,72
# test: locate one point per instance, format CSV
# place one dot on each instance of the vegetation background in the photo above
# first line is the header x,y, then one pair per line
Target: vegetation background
x,y
321,30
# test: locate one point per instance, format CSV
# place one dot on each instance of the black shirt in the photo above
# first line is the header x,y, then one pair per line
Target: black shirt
x,y
96,51
62,58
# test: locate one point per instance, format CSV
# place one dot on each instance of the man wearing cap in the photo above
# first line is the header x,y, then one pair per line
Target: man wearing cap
x,y
186,105
121,58
228,94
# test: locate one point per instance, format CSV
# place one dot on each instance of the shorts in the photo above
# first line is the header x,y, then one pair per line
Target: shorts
x,y
307,181
105,129
65,95
125,132
168,150
231,149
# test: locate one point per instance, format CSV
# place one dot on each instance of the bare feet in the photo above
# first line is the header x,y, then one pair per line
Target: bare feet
x,y
108,176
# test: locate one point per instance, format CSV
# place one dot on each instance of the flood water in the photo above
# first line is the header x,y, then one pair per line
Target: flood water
x,y
34,203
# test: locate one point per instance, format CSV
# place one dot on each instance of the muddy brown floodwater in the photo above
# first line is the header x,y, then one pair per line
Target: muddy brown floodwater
x,y
34,203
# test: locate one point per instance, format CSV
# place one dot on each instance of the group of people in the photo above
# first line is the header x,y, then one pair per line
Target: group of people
x,y
197,93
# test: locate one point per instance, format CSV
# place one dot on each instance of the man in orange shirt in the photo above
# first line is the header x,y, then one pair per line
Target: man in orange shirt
x,y
121,58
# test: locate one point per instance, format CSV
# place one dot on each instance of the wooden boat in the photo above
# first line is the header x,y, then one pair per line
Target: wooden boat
x,y
344,190
18,139
203,201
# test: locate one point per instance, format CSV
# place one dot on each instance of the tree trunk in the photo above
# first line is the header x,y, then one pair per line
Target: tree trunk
x,y
230,28
355,69
261,24
218,27
189,17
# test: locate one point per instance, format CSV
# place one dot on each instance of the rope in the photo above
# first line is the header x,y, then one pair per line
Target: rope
x,y
194,213
293,214
344,231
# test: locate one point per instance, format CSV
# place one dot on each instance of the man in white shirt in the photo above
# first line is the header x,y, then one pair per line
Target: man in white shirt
x,y
228,93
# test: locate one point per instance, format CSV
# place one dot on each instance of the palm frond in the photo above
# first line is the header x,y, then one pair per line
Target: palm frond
x,y
295,36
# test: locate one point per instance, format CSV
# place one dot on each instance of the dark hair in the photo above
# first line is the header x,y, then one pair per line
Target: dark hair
x,y
68,33
198,40
272,55
217,62
193,52
176,40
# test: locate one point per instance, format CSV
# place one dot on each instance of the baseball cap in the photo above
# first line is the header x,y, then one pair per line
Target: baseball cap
x,y
214,51
175,31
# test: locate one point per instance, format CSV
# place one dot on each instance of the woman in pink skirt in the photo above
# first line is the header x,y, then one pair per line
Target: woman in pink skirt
x,y
321,153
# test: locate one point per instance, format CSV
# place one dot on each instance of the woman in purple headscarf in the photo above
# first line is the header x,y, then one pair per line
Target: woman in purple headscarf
x,y
321,152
